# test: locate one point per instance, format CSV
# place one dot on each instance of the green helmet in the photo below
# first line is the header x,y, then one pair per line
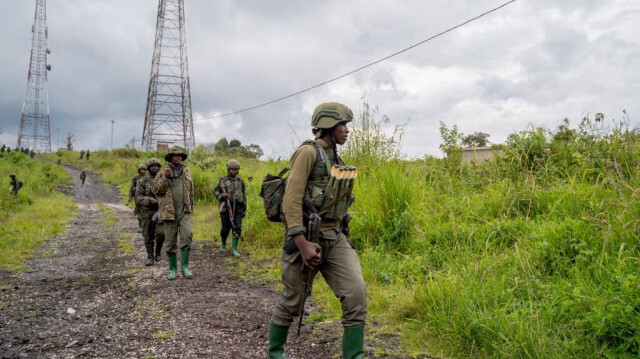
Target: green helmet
x,y
153,161
141,167
233,165
330,114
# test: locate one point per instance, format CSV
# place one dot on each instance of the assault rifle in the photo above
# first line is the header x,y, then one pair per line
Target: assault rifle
x,y
313,229
234,226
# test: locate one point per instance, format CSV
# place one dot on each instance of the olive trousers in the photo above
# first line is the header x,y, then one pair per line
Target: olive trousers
x,y
339,267
178,228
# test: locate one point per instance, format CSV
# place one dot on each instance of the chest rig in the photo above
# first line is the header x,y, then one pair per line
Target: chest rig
x,y
322,191
233,188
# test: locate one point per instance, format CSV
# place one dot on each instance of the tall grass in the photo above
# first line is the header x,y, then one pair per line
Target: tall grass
x,y
37,213
534,254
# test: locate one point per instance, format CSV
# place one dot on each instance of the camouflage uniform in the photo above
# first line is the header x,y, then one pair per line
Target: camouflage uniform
x,y
175,196
152,231
234,186
14,184
339,262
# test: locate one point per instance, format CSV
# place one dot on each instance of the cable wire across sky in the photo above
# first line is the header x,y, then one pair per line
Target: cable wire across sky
x,y
359,68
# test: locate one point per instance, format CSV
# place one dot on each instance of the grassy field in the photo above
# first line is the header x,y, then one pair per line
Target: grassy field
x,y
531,255
37,213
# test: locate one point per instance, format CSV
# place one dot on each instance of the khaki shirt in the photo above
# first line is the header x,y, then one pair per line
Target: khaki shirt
x,y
163,189
302,162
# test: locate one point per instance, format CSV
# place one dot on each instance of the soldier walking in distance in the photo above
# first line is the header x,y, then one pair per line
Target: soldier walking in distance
x,y
81,154
230,191
173,187
152,232
14,184
142,170
334,256
83,177
87,154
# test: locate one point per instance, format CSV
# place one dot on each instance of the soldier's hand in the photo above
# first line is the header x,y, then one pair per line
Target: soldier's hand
x,y
226,196
311,252
167,172
152,200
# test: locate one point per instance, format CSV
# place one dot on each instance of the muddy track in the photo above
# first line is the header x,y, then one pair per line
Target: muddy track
x,y
83,294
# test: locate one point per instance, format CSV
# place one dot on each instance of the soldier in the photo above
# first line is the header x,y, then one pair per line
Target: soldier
x,y
83,177
142,170
8,150
31,154
152,232
4,147
230,191
81,154
14,184
173,187
334,256
87,154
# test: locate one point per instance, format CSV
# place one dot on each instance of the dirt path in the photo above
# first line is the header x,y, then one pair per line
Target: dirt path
x,y
84,295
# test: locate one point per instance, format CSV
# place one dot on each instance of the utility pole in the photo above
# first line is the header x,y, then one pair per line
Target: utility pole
x,y
168,118
57,138
34,121
112,121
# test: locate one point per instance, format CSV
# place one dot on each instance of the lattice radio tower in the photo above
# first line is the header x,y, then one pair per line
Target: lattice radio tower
x,y
168,120
34,121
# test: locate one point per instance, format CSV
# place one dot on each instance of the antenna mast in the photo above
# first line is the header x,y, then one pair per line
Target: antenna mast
x,y
34,121
168,119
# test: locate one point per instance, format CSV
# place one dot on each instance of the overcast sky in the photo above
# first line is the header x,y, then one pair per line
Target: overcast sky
x,y
532,62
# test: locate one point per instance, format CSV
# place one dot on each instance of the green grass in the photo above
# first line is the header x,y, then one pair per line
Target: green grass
x,y
37,213
534,254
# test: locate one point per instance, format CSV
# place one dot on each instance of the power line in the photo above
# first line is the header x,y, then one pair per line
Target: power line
x,y
359,68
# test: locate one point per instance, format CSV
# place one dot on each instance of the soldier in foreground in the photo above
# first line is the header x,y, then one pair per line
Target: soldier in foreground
x,y
173,187
152,232
83,177
312,185
232,198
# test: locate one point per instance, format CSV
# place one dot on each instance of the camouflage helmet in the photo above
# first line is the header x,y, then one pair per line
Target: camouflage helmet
x,y
330,114
153,161
175,151
141,167
233,165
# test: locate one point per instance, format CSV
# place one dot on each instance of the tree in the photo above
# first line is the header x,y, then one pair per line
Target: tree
x,y
235,143
451,145
476,139
70,139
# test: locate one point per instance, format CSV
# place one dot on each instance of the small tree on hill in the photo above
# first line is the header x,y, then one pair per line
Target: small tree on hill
x,y
70,139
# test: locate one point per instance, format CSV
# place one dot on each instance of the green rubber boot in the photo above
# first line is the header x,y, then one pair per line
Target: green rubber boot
x,y
184,264
353,342
173,265
277,339
234,246
223,245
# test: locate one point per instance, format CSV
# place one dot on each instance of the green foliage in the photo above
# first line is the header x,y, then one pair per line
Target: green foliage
x,y
450,145
38,212
534,254
234,148
476,139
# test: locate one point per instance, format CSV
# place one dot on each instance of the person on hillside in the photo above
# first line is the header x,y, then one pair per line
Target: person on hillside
x,y
173,187
14,184
87,154
81,154
334,256
83,177
32,154
231,191
142,170
152,232
4,147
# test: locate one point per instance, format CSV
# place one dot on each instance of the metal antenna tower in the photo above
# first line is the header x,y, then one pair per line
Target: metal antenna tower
x,y
168,120
34,121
